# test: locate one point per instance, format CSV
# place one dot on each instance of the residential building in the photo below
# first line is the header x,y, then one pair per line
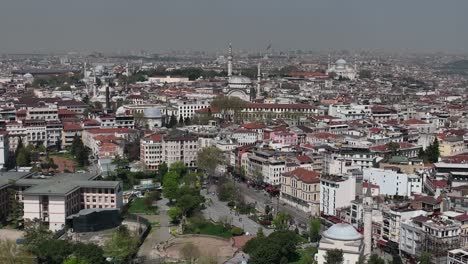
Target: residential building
x,y
336,192
300,188
392,182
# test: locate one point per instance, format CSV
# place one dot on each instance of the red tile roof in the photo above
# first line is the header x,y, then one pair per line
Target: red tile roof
x,y
304,175
462,218
71,127
303,159
414,122
253,126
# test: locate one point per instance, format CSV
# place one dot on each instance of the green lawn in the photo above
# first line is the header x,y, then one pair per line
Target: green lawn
x,y
303,253
138,206
208,228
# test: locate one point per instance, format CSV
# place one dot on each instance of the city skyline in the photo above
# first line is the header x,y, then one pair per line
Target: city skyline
x,y
207,25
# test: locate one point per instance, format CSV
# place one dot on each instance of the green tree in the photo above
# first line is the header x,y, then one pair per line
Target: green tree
x,y
209,158
74,260
433,152
121,246
396,259
334,256
23,157
314,229
172,122
35,234
175,213
375,259
15,215
121,163
11,253
171,186
425,258
266,253
393,147
260,233
281,221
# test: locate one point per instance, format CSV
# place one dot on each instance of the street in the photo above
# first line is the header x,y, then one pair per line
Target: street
x,y
218,210
262,198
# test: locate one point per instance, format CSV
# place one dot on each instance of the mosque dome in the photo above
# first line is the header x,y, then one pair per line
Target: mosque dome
x,y
342,232
240,80
152,113
28,75
340,64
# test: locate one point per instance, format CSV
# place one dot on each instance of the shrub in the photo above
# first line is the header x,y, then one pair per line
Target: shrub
x,y
237,231
231,204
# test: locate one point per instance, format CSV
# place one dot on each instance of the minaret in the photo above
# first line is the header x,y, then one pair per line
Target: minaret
x,y
230,61
94,84
367,204
355,62
108,106
259,79
85,73
329,61
127,72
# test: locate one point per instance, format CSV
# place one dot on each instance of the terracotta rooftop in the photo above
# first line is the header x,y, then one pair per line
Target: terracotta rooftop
x,y
304,175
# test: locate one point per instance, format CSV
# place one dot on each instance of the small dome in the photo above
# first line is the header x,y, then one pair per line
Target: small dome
x,y
152,113
342,232
28,75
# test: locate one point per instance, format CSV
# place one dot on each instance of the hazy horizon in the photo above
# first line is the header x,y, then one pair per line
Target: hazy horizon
x,y
28,26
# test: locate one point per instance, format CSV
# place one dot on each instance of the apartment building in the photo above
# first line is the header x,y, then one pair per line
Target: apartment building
x,y
188,107
392,182
53,199
159,148
342,161
300,188
335,193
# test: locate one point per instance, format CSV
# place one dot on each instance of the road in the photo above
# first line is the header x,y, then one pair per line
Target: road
x,y
262,198
158,234
218,210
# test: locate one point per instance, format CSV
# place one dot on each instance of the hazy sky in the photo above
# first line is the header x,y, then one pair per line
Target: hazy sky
x,y
208,25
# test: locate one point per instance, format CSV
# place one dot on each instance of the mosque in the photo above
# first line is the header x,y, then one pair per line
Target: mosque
x,y
345,237
241,86
342,69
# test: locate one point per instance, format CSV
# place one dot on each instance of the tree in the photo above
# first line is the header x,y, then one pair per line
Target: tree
x,y
181,121
11,253
393,147
172,122
162,170
260,233
121,163
314,229
433,152
23,157
334,256
266,253
187,121
16,207
375,259
74,260
171,186
175,213
396,259
121,246
35,234
209,158
425,258
281,221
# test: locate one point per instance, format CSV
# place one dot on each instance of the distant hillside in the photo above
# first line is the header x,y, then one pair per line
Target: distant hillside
x,y
457,65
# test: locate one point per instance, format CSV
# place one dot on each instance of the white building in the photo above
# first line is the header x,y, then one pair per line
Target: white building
x,y
344,237
335,193
457,256
342,69
244,137
350,112
4,148
391,182
158,148
168,79
187,107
